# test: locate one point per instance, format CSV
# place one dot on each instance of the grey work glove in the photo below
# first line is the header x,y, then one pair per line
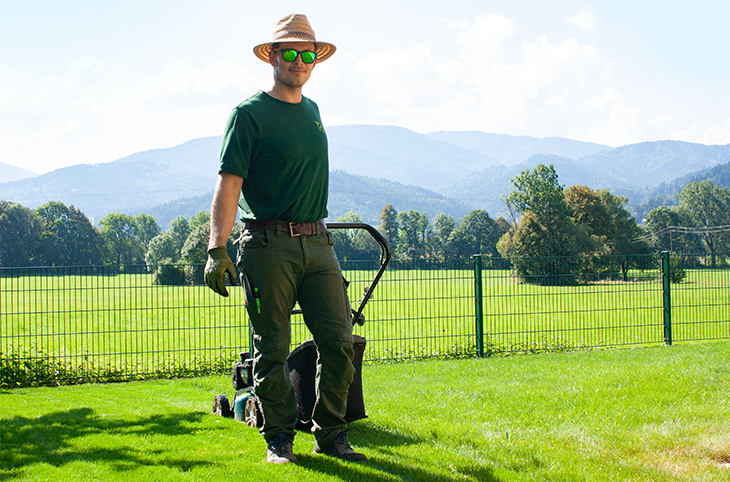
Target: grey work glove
x,y
218,265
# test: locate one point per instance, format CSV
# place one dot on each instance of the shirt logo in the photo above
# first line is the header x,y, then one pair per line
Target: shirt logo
x,y
320,127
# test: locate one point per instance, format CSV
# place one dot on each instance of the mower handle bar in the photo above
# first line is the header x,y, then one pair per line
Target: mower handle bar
x,y
384,260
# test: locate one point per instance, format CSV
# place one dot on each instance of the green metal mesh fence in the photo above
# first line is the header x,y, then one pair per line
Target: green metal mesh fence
x,y
577,308
68,325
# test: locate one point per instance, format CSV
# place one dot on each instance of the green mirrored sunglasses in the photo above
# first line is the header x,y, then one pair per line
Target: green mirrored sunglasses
x,y
290,55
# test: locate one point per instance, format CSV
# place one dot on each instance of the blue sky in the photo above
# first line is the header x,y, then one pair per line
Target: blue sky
x,y
90,82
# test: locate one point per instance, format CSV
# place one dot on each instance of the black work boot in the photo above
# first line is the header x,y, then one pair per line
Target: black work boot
x,y
279,449
341,449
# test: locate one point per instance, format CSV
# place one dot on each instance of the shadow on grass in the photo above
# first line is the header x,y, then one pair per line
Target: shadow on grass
x,y
53,439
384,461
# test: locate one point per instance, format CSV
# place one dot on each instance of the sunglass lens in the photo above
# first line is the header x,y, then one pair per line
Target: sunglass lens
x,y
289,55
308,57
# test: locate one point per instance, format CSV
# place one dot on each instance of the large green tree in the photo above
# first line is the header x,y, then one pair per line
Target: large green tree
x,y
623,234
412,227
20,236
538,191
198,219
195,249
546,243
354,244
71,239
476,233
168,245
439,230
708,208
147,228
120,231
667,227
389,226
587,209
613,230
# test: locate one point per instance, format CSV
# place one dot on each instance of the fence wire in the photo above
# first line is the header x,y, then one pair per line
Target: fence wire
x,y
701,302
98,323
602,308
72,325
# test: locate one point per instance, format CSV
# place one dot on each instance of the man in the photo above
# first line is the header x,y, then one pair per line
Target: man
x,y
274,158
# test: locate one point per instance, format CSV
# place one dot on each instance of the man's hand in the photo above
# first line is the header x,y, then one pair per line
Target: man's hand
x,y
216,268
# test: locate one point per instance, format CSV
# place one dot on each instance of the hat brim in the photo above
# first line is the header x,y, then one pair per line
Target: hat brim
x,y
324,49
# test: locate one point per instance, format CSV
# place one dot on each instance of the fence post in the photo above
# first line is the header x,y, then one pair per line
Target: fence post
x,y
666,278
478,297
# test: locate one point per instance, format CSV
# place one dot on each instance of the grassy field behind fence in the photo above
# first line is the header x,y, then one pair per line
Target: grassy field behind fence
x,y
124,325
701,306
120,324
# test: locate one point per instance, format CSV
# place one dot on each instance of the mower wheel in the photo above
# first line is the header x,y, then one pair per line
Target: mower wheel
x,y
254,418
221,406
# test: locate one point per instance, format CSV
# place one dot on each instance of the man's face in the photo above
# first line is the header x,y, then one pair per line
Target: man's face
x,y
292,74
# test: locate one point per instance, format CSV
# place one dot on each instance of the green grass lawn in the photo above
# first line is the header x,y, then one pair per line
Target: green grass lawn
x,y
649,414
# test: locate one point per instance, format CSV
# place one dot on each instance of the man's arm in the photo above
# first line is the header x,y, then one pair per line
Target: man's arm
x,y
222,218
224,207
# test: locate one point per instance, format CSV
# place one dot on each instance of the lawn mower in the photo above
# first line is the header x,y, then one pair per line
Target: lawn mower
x,y
302,363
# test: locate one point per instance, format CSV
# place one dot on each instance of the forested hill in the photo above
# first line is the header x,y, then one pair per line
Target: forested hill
x,y
511,150
363,195
650,163
367,197
666,193
130,184
632,171
401,155
719,175
451,172
485,188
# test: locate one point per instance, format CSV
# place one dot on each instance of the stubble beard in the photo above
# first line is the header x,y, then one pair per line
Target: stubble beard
x,y
288,79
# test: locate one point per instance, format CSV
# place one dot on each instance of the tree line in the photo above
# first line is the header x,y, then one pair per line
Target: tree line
x,y
561,236
565,235
547,222
58,235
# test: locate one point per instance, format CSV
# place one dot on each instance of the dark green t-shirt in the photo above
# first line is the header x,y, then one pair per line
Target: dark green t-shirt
x,y
280,151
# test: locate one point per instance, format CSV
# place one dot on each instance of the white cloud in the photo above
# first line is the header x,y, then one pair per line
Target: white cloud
x,y
398,79
492,38
495,79
712,135
584,20
98,113
661,121
624,124
605,98
498,82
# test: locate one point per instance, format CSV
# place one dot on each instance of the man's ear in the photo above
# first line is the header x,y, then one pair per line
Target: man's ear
x,y
272,57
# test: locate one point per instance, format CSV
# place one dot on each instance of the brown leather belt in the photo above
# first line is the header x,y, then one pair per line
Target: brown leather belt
x,y
291,229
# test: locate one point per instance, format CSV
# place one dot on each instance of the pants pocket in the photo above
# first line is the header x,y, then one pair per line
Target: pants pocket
x,y
330,238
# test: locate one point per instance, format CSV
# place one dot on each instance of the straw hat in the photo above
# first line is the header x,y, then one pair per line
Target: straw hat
x,y
294,28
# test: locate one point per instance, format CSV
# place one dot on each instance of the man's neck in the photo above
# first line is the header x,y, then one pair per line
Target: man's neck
x,y
284,93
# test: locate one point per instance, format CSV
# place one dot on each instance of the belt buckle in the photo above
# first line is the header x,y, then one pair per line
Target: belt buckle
x,y
291,230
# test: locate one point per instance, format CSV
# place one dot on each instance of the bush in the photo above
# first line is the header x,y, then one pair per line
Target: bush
x,y
677,274
168,273
548,271
33,367
195,274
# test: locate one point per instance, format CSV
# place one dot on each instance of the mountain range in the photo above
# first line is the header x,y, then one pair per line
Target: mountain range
x,y
10,173
447,171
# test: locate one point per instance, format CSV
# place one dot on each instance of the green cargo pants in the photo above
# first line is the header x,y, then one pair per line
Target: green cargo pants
x,y
277,270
